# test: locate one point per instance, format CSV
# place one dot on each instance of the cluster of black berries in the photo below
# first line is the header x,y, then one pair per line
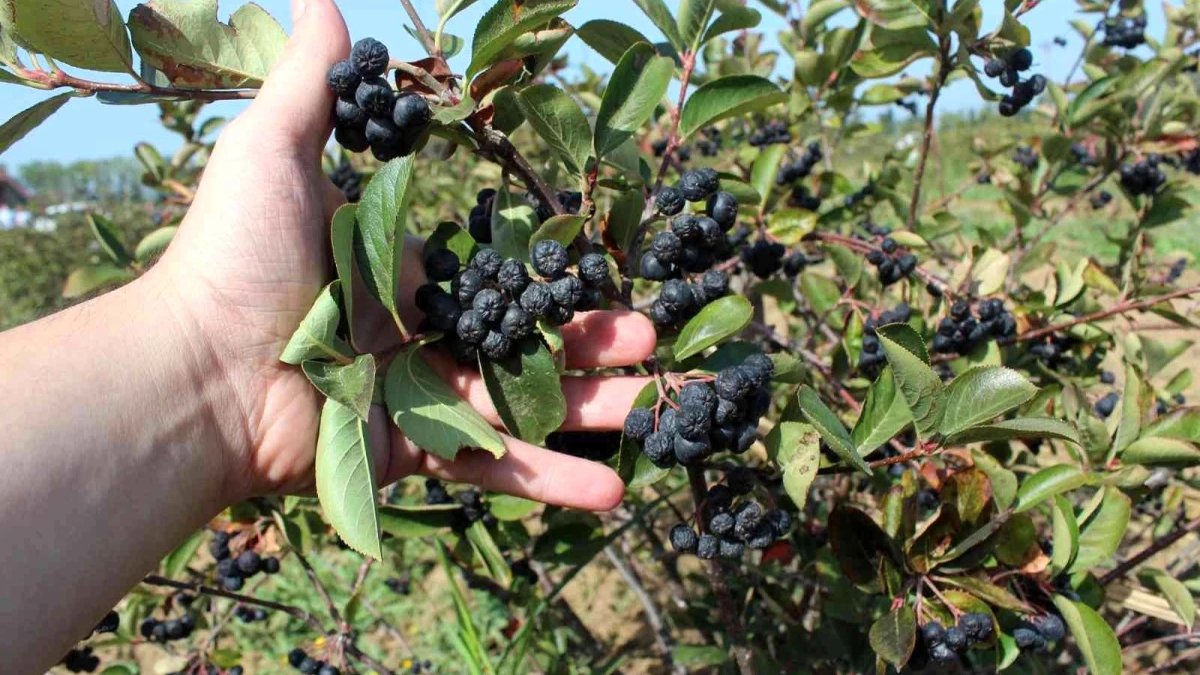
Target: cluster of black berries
x,y
233,572
893,265
709,417
731,529
81,660
1082,155
1106,405
1052,350
248,614
1100,199
167,631
764,258
1027,157
683,153
801,168
943,646
399,585
872,356
474,508
1190,161
368,112
1162,406
710,141
1176,270
571,201
479,222
493,304
1039,632
1023,91
1126,32
348,181
857,197
306,664
961,332
803,198
771,133
1143,177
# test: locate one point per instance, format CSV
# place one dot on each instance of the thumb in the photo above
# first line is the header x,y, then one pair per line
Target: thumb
x,y
295,101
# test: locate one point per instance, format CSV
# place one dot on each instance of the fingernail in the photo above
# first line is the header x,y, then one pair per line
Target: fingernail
x,y
298,9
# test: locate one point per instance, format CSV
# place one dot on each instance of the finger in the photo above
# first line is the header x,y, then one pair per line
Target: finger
x,y
294,101
593,403
608,339
525,471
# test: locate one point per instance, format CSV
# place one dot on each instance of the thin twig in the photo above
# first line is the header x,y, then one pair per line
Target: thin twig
x,y
60,79
296,612
321,590
944,68
1146,553
1169,665
1120,308
426,39
662,636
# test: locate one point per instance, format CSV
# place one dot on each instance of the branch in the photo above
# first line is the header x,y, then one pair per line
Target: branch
x,y
1154,547
321,590
662,637
426,39
716,577
861,246
1120,308
295,612
60,79
944,69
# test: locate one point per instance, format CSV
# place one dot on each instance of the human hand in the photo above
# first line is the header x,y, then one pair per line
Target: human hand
x,y
251,256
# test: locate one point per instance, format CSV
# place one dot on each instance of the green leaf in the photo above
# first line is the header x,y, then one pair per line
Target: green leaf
x,y
379,236
795,447
341,237
919,385
727,97
1100,535
1050,481
451,44
894,14
1066,534
1020,427
830,428
636,87
981,394
1004,482
84,33
345,473
718,321
352,385
27,120
661,17
430,414
1093,636
692,17
733,18
176,561
526,391
894,635
504,23
510,508
485,547
858,543
632,465
106,234
1152,450
513,224
624,218
450,236
408,522
316,338
1134,406
152,245
559,121
86,280
563,229
186,43
884,414
1177,595
1182,424
887,52
764,170
571,540
610,39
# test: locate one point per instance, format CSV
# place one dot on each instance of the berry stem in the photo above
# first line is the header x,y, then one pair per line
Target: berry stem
x,y
944,67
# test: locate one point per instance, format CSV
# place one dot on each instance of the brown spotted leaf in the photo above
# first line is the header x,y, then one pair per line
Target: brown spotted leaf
x,y
192,48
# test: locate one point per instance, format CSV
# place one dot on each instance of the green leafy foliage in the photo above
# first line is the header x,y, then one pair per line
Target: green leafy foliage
x,y
380,227
526,391
345,473
637,85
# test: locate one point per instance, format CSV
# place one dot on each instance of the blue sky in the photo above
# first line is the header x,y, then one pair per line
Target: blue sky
x,y
86,129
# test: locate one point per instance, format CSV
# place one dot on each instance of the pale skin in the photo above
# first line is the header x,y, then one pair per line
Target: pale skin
x,y
133,419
